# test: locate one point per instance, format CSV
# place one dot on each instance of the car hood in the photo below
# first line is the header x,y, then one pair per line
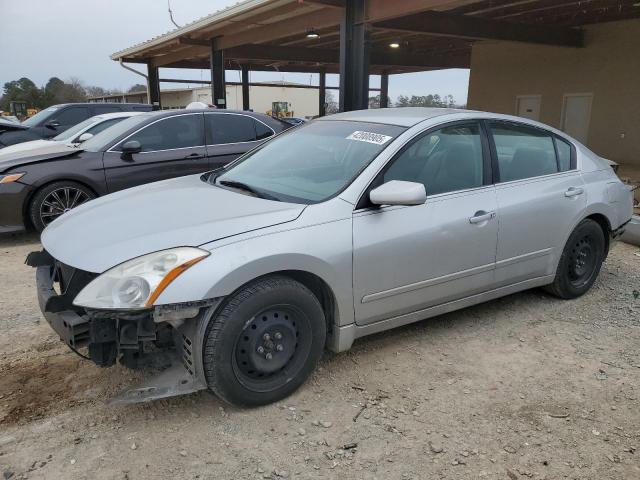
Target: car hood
x,y
48,151
7,126
184,211
24,146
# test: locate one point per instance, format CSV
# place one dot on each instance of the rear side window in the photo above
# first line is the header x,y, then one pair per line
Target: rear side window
x,y
564,155
224,128
104,125
262,131
72,115
100,109
181,131
523,152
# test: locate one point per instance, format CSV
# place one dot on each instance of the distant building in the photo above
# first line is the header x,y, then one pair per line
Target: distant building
x,y
302,99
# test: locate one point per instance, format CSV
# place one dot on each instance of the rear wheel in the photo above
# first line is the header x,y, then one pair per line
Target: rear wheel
x,y
264,343
580,262
57,198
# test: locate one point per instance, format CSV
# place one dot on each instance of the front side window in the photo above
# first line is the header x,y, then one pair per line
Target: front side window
x,y
311,163
72,115
523,152
224,128
180,131
445,160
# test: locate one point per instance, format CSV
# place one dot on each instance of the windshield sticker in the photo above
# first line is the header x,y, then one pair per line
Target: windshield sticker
x,y
369,137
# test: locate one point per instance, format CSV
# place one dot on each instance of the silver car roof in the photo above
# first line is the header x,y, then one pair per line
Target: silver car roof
x,y
403,117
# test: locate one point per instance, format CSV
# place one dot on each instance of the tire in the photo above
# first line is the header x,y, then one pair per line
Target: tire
x,y
54,199
264,342
580,261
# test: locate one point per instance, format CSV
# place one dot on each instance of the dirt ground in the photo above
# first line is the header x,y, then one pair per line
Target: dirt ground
x,y
527,386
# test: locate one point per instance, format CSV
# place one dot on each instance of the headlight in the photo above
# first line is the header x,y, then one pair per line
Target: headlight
x,y
11,177
138,283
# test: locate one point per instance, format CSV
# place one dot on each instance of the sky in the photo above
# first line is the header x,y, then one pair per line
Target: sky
x,y
74,38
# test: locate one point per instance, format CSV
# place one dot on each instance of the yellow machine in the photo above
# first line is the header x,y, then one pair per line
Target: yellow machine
x,y
280,110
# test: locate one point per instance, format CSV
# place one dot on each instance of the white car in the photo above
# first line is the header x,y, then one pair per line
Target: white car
x,y
75,135
340,228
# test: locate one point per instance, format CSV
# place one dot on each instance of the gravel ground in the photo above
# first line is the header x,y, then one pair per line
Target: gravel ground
x,y
527,386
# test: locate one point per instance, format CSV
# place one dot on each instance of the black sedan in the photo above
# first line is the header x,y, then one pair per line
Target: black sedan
x,y
56,119
38,187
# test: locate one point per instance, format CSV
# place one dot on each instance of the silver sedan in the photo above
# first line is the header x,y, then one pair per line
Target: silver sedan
x,y
346,226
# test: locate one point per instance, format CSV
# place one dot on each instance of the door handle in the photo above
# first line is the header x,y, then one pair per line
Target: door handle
x,y
573,192
194,156
481,216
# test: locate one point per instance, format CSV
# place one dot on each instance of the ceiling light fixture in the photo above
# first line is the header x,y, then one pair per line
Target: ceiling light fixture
x,y
313,34
394,45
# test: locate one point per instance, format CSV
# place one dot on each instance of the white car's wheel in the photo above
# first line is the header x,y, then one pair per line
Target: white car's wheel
x,y
264,342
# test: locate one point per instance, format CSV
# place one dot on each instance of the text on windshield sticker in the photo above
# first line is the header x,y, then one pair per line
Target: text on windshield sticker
x,y
369,137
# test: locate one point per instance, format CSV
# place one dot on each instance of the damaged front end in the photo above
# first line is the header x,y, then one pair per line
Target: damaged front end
x,y
163,339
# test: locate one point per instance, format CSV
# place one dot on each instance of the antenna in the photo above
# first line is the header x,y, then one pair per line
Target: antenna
x,y
171,14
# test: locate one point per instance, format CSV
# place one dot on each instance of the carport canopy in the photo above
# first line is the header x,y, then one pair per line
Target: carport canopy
x,y
356,38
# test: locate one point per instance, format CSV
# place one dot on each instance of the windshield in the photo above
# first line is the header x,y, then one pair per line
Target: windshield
x,y
71,132
38,117
100,141
310,163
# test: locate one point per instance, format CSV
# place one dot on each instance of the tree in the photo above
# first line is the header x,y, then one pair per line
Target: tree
x,y
374,102
23,90
425,101
331,105
138,87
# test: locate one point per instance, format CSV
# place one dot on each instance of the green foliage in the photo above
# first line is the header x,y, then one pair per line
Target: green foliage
x,y
138,87
55,91
426,101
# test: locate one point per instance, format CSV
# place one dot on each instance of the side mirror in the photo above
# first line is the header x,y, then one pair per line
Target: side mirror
x,y
397,192
53,124
132,146
84,137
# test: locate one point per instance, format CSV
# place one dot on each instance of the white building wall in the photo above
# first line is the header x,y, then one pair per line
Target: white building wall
x,y
303,102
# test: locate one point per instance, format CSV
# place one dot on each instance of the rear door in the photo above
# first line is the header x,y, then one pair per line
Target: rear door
x,y
540,196
230,135
171,147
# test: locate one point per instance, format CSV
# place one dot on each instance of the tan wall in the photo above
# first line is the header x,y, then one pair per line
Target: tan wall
x,y
302,101
608,67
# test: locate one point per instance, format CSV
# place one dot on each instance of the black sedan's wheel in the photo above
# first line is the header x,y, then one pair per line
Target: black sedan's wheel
x,y
264,342
580,262
55,199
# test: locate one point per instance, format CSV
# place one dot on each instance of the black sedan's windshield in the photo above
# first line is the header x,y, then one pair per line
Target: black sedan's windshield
x,y
311,163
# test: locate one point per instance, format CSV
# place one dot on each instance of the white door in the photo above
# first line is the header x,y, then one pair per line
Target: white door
x,y
576,115
528,106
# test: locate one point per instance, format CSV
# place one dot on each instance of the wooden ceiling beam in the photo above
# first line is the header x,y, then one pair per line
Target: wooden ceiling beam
x,y
463,26
296,25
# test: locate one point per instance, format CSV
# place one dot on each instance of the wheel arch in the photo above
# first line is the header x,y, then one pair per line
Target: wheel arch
x,y
605,225
37,188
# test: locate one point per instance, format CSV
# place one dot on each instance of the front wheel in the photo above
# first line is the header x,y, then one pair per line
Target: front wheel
x,y
580,262
264,342
55,199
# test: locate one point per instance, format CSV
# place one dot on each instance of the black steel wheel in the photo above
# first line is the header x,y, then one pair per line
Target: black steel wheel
x,y
55,199
264,342
580,261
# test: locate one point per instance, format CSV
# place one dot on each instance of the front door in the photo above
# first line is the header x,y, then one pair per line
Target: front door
x,y
171,147
410,258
